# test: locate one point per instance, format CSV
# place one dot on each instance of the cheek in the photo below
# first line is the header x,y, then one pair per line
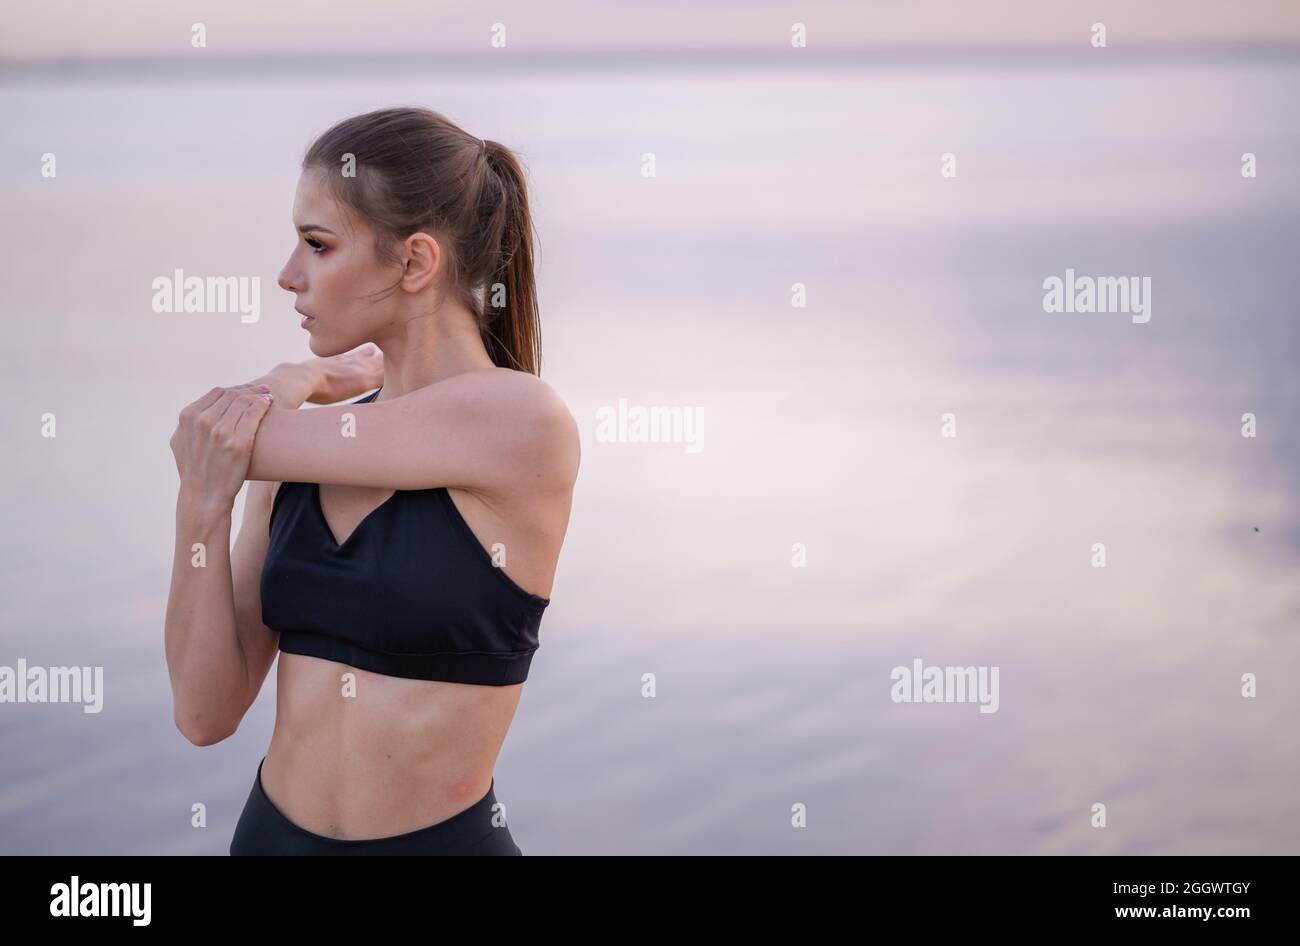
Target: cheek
x,y
349,278
338,268
329,277
339,281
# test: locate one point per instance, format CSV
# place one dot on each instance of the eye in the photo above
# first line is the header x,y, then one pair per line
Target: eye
x,y
316,245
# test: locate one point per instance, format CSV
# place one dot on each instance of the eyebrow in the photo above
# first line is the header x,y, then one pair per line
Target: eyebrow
x,y
319,229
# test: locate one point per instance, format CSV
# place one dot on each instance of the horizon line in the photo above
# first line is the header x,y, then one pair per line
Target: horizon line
x,y
199,65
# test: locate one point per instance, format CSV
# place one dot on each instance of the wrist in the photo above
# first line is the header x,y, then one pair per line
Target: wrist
x,y
200,511
291,383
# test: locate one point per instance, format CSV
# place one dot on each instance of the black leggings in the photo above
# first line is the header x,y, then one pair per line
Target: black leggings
x,y
264,829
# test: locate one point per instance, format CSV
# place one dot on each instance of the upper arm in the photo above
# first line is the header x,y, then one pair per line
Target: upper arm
x,y
487,430
258,642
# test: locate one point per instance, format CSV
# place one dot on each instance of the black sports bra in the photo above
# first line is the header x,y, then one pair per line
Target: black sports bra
x,y
410,593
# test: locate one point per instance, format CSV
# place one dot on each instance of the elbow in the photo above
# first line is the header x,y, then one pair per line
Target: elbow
x,y
202,732
206,737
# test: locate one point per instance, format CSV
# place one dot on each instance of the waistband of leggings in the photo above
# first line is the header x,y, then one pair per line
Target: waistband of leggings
x,y
464,827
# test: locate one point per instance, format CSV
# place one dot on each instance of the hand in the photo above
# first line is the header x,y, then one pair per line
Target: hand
x,y
213,442
348,375
325,380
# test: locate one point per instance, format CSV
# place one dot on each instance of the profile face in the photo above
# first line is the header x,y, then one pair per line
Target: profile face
x,y
335,272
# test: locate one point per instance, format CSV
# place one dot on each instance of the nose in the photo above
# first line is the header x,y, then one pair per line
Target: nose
x,y
287,282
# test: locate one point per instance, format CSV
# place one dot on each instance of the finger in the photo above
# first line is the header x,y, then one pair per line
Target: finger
x,y
198,406
250,388
208,399
251,419
224,432
213,417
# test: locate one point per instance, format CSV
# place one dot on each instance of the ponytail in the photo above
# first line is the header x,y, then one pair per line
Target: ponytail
x,y
509,317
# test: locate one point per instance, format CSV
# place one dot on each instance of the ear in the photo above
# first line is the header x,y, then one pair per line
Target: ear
x,y
423,260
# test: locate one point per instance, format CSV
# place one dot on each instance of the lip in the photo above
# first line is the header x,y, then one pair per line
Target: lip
x,y
307,320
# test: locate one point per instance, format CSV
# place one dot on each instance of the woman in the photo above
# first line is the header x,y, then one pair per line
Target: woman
x,y
397,551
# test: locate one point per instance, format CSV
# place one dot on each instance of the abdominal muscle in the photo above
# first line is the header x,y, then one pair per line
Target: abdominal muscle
x,y
397,756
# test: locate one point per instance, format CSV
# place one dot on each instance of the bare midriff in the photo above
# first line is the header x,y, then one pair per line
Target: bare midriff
x,y
371,755
358,755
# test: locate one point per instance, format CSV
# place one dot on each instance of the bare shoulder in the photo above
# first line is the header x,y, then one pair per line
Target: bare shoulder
x,y
537,429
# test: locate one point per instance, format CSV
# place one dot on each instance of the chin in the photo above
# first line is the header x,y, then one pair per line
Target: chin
x,y
320,347
324,348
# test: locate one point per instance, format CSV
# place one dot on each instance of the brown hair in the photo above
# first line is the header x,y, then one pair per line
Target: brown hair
x,y
416,170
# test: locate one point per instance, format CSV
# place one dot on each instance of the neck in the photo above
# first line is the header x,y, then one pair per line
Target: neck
x,y
425,348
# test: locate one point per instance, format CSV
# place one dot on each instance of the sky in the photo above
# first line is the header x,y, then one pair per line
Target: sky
x,y
59,29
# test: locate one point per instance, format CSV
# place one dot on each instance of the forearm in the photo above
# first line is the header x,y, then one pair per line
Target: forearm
x,y
205,659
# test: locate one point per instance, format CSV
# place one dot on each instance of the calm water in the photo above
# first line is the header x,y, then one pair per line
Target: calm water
x,y
821,426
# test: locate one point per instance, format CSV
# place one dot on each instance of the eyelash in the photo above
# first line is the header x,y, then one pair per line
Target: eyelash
x,y
316,245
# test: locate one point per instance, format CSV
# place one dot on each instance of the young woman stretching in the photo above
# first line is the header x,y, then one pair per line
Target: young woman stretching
x,y
397,551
